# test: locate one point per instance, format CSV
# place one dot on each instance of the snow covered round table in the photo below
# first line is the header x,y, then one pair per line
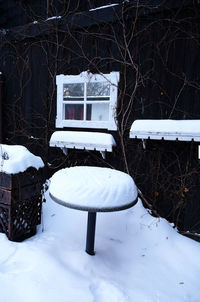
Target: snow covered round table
x,y
93,189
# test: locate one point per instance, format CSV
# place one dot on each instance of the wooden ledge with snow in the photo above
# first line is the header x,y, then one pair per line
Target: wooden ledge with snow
x,y
182,130
93,189
83,140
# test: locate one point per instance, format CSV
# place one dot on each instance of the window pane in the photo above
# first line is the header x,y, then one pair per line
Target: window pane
x,y
73,112
73,92
98,89
97,112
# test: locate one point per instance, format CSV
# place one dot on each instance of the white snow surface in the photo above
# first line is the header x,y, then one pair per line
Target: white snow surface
x,y
53,18
138,258
93,187
82,139
104,6
185,130
18,159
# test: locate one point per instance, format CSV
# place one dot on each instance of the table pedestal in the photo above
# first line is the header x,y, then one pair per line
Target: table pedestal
x,y
91,224
108,190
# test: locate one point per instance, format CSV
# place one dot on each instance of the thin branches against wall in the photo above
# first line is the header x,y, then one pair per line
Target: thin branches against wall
x,y
156,52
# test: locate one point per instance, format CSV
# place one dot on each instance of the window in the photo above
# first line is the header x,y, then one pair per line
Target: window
x,y
87,100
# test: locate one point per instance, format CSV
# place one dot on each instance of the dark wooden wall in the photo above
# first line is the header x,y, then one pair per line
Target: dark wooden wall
x,y
1,105
157,56
20,12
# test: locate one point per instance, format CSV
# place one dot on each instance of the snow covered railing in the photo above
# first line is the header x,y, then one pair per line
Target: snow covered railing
x,y
182,130
82,140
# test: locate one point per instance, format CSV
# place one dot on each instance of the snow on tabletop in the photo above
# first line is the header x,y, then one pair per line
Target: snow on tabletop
x,y
81,140
15,159
181,129
93,187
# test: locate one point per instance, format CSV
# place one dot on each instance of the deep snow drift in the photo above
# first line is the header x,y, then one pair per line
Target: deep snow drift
x,y
138,258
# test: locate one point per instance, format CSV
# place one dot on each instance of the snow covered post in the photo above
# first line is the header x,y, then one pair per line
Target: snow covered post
x,y
20,192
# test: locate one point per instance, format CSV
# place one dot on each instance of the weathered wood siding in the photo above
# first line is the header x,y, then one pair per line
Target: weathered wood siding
x,y
157,56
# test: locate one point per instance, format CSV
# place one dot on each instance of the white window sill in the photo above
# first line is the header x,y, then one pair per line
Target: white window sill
x,y
182,130
82,140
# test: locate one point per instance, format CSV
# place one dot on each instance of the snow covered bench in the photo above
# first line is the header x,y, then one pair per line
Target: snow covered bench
x,y
93,189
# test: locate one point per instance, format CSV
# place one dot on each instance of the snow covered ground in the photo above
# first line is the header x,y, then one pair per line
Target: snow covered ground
x,y
138,258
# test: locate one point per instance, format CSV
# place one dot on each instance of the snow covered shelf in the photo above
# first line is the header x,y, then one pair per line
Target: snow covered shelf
x,y
183,130
82,140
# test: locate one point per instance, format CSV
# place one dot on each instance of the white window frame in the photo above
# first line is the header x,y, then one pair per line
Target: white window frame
x,y
86,77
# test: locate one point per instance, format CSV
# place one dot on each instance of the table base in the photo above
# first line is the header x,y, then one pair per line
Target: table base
x,y
91,224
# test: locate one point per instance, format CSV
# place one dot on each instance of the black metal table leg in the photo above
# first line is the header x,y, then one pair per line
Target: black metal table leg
x,y
91,233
